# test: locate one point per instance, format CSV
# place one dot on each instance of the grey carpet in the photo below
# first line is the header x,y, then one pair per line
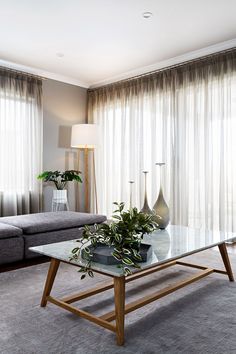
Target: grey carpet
x,y
200,318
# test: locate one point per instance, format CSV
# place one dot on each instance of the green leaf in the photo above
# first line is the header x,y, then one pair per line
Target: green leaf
x,y
118,238
127,271
137,257
126,251
117,255
81,270
127,261
116,217
122,205
94,241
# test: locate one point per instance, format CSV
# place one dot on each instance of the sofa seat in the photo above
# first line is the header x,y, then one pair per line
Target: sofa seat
x,y
44,228
49,237
11,244
51,221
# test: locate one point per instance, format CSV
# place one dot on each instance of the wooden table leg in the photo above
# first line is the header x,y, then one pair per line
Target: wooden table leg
x,y
119,291
52,271
225,258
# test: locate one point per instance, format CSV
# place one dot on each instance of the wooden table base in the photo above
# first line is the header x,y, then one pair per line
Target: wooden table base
x,y
118,284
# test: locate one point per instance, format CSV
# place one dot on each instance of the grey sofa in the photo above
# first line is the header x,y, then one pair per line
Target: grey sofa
x,y
18,233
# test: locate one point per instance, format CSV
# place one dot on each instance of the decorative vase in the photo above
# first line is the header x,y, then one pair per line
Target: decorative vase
x,y
160,208
131,194
146,209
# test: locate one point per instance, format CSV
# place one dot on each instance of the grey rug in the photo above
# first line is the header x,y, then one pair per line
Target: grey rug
x,y
200,318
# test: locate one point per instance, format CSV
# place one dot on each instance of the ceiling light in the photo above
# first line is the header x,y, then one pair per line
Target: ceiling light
x,y
60,55
147,14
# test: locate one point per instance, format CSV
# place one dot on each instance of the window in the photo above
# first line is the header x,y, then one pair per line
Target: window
x,y
20,144
184,117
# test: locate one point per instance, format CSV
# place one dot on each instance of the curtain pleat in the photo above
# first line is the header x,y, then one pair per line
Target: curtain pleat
x,y
186,117
20,143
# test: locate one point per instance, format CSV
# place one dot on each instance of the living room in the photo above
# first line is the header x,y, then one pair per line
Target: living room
x,y
117,176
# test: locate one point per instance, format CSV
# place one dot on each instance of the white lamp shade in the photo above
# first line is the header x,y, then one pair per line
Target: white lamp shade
x,y
84,136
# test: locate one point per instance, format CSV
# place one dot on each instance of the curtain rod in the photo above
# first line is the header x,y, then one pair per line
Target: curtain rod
x,y
170,67
20,72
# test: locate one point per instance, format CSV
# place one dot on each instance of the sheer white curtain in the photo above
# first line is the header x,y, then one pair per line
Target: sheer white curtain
x,y
20,143
184,116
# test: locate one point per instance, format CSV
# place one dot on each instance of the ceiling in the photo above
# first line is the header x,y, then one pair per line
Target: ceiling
x,y
105,40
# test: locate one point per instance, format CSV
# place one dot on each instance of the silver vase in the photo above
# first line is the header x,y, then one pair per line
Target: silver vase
x,y
145,209
160,208
131,194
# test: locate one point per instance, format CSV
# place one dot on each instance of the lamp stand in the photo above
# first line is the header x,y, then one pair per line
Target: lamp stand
x,y
86,179
77,188
95,185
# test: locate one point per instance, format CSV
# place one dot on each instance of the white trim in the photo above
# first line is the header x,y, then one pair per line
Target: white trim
x,y
162,64
165,63
46,74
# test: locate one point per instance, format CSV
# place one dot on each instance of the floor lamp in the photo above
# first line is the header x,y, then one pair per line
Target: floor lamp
x,y
85,137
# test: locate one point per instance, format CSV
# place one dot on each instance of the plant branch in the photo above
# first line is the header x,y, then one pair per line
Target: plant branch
x,y
125,235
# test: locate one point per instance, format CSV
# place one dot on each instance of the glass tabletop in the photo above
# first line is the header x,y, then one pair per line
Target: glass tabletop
x,y
172,243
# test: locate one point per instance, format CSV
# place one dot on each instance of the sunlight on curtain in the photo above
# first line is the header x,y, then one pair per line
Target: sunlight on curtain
x,y
20,143
184,116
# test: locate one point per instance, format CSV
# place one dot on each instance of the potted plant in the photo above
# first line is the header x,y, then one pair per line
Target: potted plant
x,y
60,180
124,236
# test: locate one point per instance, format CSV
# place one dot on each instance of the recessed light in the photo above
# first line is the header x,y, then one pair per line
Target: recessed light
x,y
60,55
147,14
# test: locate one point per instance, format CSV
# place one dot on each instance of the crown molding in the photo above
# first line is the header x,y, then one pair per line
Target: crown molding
x,y
129,74
43,73
169,62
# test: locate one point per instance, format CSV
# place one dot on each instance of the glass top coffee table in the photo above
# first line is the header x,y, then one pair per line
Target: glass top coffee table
x,y
168,246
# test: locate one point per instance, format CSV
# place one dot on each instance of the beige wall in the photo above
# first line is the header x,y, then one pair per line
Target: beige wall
x,y
63,106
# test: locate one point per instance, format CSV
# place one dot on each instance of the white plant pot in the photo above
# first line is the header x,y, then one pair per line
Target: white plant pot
x,y
60,196
59,200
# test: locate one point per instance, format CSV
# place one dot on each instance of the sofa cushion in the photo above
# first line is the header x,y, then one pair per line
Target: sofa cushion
x,y
51,221
11,250
8,231
49,237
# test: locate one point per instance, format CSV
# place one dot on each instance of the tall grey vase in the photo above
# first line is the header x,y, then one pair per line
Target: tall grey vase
x,y
146,209
160,208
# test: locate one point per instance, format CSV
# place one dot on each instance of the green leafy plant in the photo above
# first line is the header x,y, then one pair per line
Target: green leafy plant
x,y
124,235
60,179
